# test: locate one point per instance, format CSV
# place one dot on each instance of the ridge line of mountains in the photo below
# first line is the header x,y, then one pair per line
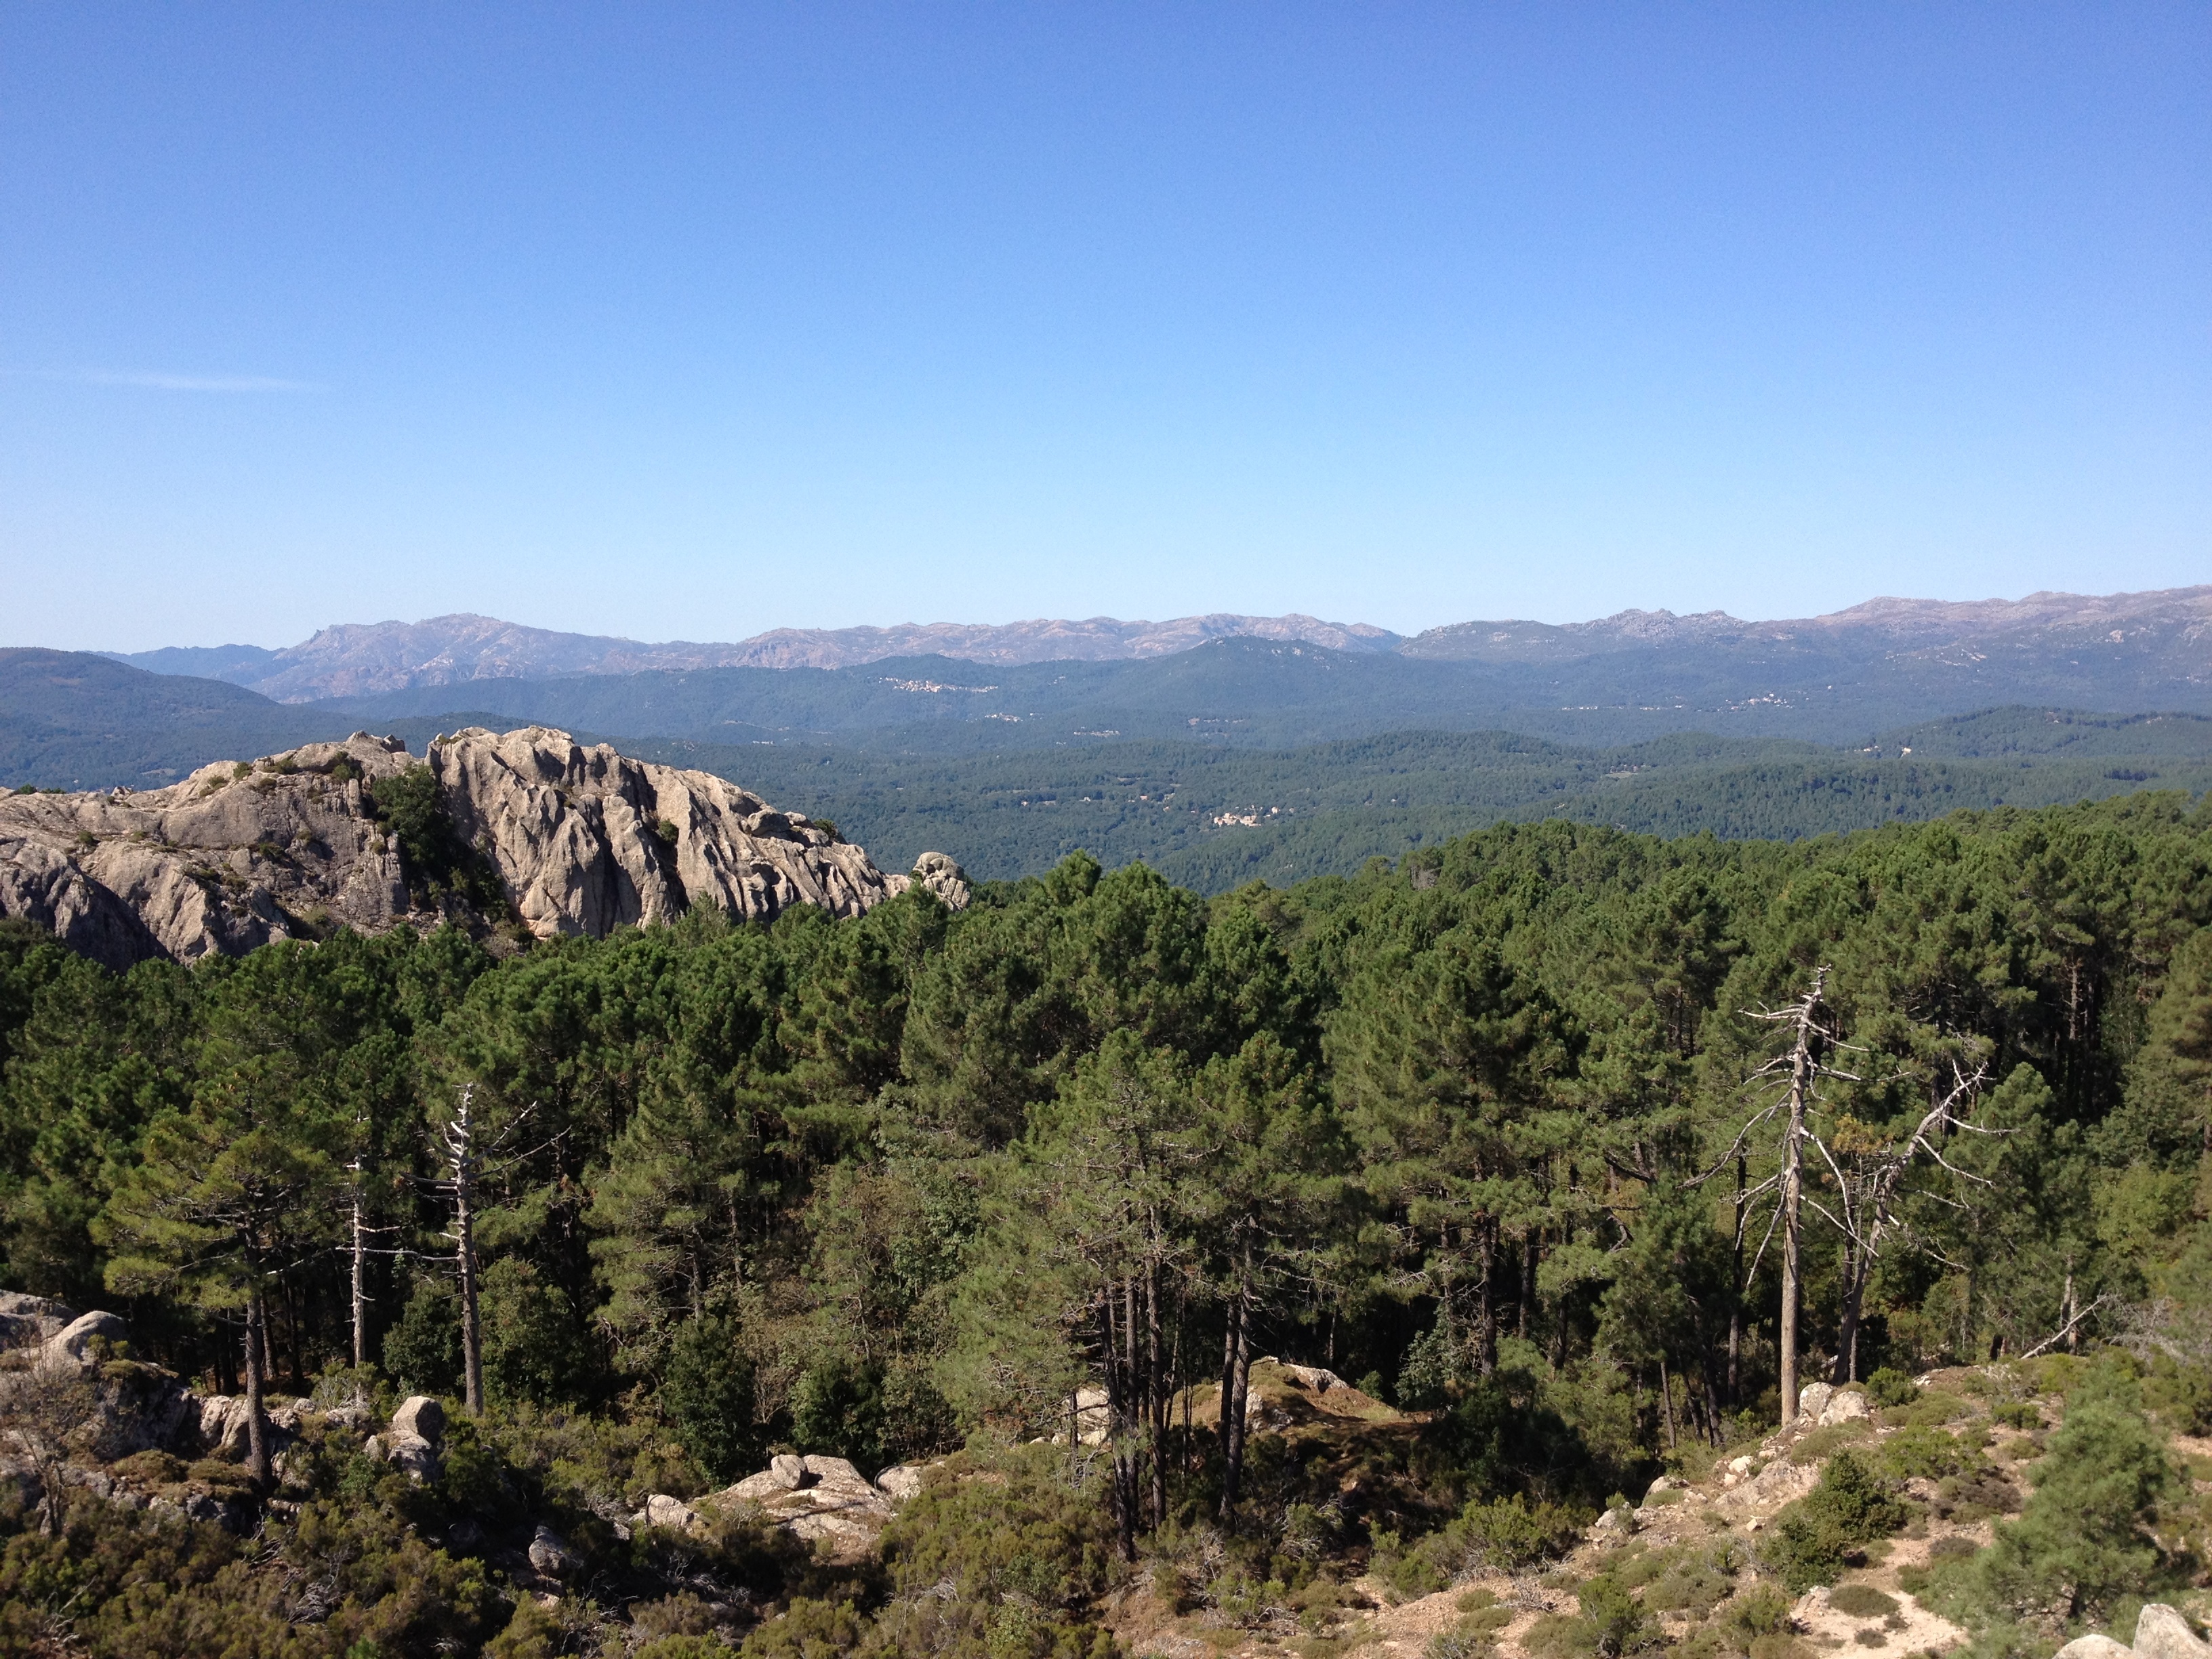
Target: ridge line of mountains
x,y
1250,756
358,659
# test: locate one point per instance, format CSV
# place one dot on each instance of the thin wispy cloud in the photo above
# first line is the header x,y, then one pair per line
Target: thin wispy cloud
x,y
158,382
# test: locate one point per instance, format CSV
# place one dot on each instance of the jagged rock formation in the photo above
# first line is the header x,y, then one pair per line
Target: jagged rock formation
x,y
581,841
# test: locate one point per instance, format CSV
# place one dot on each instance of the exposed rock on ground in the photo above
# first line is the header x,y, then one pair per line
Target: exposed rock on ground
x,y
835,1504
582,840
415,1439
2160,1633
30,1319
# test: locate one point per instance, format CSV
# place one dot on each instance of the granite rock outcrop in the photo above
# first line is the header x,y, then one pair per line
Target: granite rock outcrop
x,y
580,839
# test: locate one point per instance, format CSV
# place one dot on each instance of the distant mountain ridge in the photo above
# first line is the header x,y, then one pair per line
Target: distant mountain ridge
x,y
2159,636
358,659
1898,626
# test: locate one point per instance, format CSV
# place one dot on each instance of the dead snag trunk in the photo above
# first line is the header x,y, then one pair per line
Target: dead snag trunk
x,y
461,1170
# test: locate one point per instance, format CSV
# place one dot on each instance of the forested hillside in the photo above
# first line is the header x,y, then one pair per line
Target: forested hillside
x,y
1212,818
1517,1136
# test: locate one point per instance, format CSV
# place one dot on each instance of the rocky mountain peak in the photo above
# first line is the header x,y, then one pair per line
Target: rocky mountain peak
x,y
528,827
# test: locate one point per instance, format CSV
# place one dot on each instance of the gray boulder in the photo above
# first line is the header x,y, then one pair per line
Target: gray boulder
x,y
2095,1647
419,1415
551,1554
73,1342
1845,1406
901,1482
224,1426
2163,1634
411,1454
790,1473
662,1510
28,1319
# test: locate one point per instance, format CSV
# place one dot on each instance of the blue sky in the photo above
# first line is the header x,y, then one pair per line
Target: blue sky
x,y
690,321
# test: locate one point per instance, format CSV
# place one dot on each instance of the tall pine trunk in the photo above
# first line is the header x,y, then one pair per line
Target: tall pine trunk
x,y
257,1360
1235,1384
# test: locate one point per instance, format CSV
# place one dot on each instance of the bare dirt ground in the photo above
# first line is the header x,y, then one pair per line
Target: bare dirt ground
x,y
1737,1502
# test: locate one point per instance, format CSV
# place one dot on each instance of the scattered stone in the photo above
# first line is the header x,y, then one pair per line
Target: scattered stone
x,y
1845,1405
421,1415
416,1457
25,1320
900,1481
1614,1523
2163,1634
836,1504
662,1510
1092,1417
2095,1647
73,1342
1813,1399
789,1471
940,875
551,1554
224,1426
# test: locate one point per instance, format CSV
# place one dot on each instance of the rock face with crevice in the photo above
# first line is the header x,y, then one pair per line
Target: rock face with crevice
x,y
583,839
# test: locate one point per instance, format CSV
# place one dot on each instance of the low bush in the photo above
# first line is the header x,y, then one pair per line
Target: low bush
x,y
1813,1539
1860,1601
1890,1387
2181,1394
1608,1623
1930,1454
1933,1409
1760,1611
1695,1579
1820,1445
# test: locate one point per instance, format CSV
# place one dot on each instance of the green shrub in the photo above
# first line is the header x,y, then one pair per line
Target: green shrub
x,y
1616,1621
1890,1387
1823,1443
2017,1414
1931,1453
422,1351
1009,1534
1470,1639
1696,1579
838,1409
2085,1540
1761,1610
1860,1601
1812,1540
2180,1394
533,1349
808,1630
1932,1409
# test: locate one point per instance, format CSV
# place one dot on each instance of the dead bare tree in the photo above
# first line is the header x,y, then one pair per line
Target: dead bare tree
x,y
1799,1072
458,1136
468,1160
43,1406
1870,1172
